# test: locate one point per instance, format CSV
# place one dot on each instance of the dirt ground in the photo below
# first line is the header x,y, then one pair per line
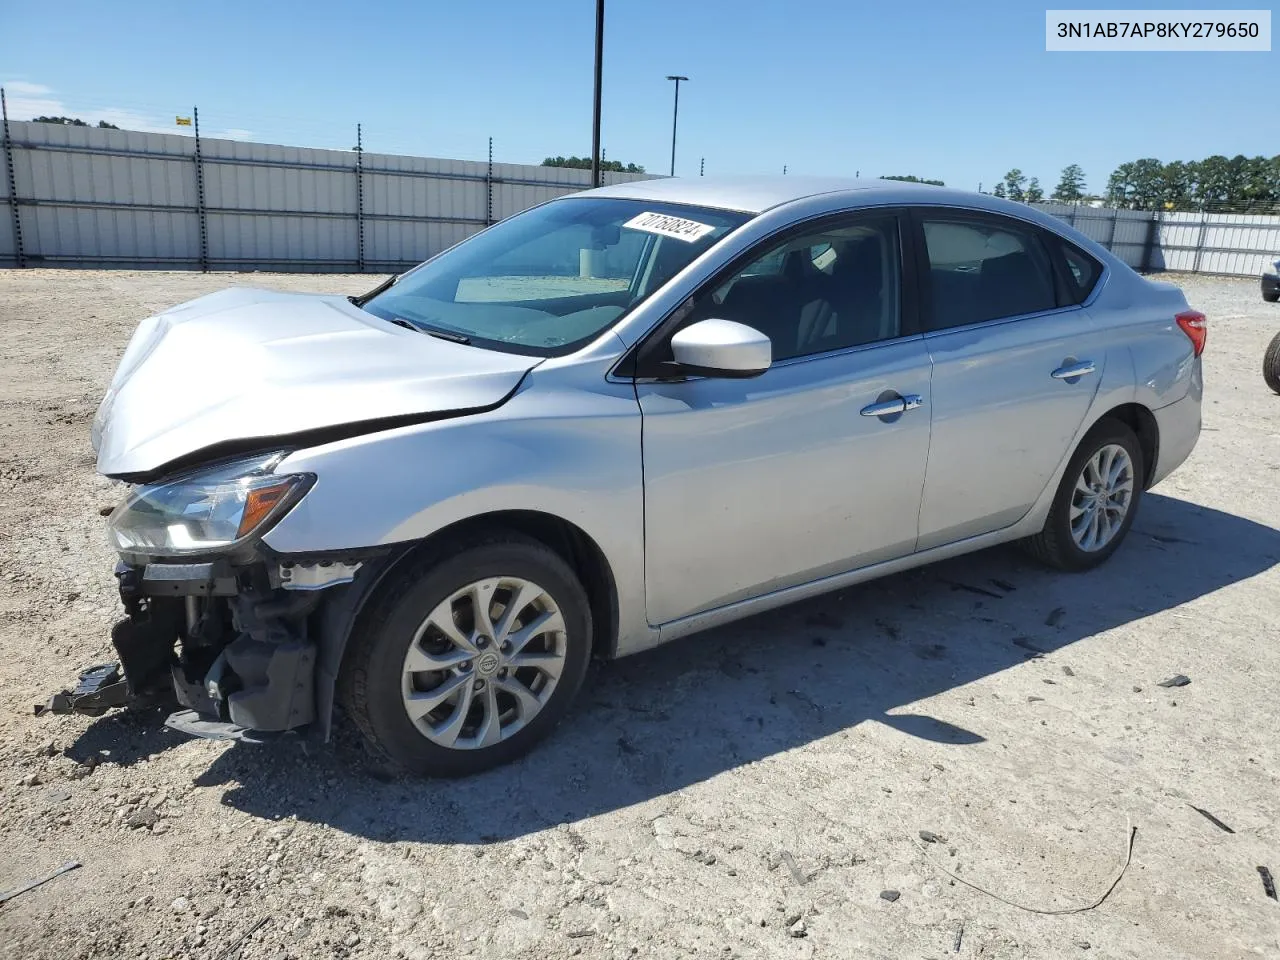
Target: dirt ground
x,y
747,793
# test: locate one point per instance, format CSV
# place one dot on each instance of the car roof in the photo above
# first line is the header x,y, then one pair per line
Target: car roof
x,y
757,194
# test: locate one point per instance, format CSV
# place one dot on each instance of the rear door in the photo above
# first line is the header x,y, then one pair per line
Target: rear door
x,y
816,466
1014,371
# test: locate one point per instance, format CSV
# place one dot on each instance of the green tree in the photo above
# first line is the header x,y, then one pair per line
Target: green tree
x,y
914,179
1034,193
74,122
1015,182
1070,188
998,190
1177,183
1120,186
584,163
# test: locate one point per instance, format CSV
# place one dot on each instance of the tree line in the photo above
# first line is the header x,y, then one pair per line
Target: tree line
x,y
74,122
584,163
1238,184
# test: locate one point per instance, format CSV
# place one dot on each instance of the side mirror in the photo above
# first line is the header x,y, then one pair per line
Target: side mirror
x,y
721,348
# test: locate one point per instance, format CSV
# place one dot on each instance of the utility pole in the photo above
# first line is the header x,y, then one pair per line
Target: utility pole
x,y
675,116
702,166
595,117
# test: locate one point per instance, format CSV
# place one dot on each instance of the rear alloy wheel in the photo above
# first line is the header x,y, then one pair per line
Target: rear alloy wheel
x,y
1096,500
465,663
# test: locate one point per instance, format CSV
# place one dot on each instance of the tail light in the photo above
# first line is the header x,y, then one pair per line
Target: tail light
x,y
1196,326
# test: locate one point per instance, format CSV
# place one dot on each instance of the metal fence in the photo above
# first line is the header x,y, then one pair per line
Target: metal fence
x,y
89,197
1228,244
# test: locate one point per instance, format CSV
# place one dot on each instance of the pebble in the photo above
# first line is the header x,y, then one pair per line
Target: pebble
x,y
143,817
1082,944
180,904
890,895
160,828
798,929
30,780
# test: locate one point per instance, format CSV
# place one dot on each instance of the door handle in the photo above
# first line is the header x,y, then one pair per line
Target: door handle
x,y
888,408
1074,370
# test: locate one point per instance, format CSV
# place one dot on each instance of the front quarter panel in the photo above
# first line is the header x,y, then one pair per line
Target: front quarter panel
x,y
566,444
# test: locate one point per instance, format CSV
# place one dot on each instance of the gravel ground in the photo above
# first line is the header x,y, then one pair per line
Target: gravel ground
x,y
757,791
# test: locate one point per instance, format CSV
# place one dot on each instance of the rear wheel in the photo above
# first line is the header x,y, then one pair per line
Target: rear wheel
x,y
1271,364
1096,500
465,663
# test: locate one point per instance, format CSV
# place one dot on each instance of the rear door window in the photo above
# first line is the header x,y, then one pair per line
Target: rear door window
x,y
984,268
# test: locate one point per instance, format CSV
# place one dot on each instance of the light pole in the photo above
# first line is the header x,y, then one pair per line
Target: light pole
x,y
595,114
675,116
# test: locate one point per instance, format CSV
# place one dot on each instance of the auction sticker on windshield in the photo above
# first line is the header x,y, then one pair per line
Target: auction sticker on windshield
x,y
669,226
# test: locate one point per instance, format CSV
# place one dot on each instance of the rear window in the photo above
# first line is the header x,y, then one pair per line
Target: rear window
x,y
1081,274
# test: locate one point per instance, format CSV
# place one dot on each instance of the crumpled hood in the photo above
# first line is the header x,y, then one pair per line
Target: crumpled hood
x,y
245,365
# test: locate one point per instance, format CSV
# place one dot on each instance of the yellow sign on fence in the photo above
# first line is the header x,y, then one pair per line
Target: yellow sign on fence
x,y
182,121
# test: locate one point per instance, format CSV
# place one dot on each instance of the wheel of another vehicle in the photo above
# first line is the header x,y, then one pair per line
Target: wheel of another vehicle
x,y
1271,364
466,662
1096,500
1271,296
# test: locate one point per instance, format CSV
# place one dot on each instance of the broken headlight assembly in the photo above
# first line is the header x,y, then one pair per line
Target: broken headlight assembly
x,y
209,511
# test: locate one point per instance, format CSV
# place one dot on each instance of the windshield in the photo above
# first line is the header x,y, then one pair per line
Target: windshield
x,y
551,278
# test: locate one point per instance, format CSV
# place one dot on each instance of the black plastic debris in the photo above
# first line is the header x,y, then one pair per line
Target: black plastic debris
x,y
1210,817
1026,644
1268,883
1181,680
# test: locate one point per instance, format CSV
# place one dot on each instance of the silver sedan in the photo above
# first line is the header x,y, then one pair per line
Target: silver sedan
x,y
610,421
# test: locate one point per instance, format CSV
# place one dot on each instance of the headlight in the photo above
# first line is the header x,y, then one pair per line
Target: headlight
x,y
1272,267
207,511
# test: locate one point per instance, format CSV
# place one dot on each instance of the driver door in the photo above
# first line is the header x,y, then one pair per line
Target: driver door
x,y
757,485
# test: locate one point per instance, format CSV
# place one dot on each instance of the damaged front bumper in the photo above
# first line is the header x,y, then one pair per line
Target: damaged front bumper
x,y
237,648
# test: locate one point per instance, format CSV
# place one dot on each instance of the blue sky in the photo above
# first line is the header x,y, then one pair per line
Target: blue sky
x,y
949,90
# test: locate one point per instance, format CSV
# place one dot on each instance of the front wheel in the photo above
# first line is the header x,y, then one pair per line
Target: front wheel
x,y
1096,500
1271,364
467,662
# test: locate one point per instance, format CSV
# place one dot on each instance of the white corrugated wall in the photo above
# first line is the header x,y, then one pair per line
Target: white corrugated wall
x,y
90,197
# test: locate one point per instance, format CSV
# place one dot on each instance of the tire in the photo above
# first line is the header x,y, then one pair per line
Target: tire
x,y
380,687
1056,545
1271,296
1271,364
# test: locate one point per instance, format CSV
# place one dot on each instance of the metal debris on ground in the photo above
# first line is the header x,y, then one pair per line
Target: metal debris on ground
x,y
1128,858
796,873
1181,680
243,937
1268,883
39,881
1210,817
1055,616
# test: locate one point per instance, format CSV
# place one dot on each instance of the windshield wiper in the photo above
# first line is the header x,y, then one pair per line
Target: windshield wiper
x,y
447,335
364,298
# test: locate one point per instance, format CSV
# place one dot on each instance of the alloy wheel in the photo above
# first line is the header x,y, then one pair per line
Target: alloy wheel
x,y
484,662
1102,497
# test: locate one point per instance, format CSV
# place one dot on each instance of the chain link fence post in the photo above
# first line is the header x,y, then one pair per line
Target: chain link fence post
x,y
488,188
200,210
19,254
359,199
